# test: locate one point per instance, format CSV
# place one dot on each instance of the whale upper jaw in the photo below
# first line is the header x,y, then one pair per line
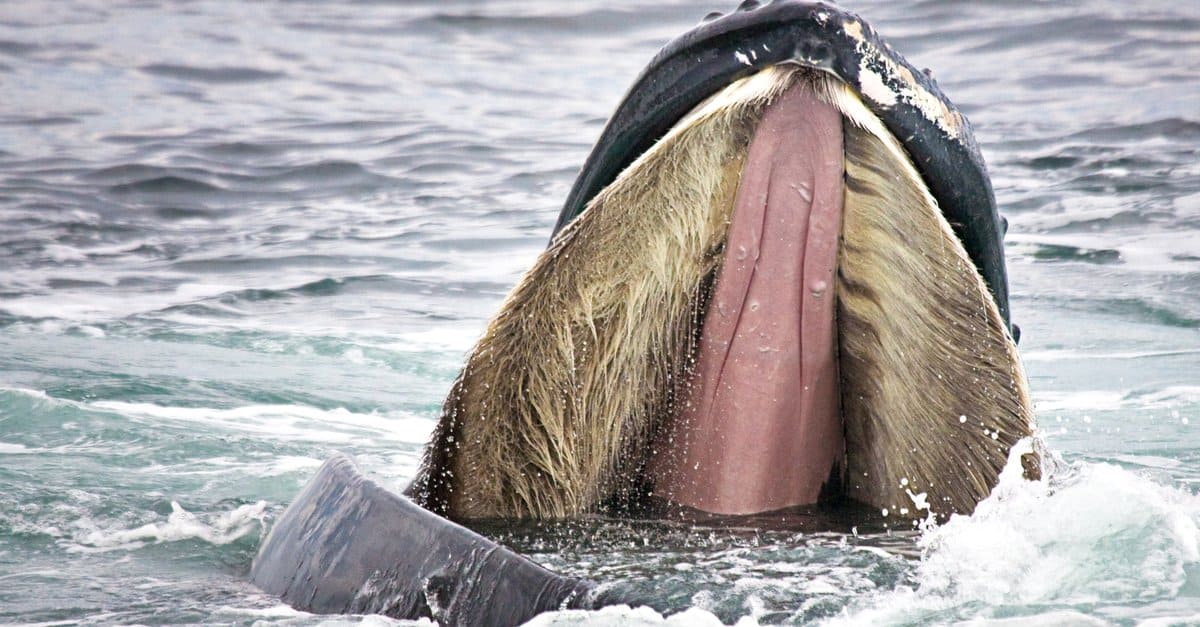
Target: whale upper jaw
x,y
725,48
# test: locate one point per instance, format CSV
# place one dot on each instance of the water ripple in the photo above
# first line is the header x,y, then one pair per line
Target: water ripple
x,y
215,75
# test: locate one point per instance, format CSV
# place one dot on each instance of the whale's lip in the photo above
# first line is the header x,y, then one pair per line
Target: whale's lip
x,y
758,35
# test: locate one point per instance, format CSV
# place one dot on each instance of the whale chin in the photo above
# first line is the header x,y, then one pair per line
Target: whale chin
x,y
765,309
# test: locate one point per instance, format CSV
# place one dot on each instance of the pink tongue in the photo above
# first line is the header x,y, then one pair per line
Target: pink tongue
x,y
760,428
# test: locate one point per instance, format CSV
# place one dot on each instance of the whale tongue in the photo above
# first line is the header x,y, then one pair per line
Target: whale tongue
x,y
759,428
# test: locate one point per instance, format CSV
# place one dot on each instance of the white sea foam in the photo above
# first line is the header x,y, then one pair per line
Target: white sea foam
x,y
1112,400
1088,534
279,422
386,444
625,616
91,305
180,525
14,449
1149,461
222,466
282,615
288,422
1082,400
275,611
459,337
1172,395
90,331
1064,618
372,620
38,394
188,292
1070,354
1183,620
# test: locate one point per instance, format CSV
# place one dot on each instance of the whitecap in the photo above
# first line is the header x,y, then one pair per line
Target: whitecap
x,y
14,449
180,525
337,426
1082,400
1089,534
625,616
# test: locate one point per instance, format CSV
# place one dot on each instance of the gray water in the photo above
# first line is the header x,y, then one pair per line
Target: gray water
x,y
238,237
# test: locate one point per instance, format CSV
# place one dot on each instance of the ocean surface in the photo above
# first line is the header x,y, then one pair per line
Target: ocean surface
x,y
238,237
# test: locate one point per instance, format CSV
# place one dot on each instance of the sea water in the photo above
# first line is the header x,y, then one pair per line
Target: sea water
x,y
238,237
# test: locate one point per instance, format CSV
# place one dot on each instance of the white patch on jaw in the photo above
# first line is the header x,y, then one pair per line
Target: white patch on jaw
x,y
876,88
930,106
854,29
741,57
873,86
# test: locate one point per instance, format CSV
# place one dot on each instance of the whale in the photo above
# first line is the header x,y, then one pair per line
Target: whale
x,y
777,284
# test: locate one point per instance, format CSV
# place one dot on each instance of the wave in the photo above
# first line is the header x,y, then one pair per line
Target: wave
x,y
213,75
17,48
1088,535
1171,396
35,121
165,185
1170,128
625,616
332,427
282,423
321,175
218,529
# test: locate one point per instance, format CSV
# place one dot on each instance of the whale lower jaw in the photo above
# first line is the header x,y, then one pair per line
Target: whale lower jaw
x,y
630,361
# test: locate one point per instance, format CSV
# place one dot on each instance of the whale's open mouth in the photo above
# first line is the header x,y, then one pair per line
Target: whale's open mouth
x,y
844,345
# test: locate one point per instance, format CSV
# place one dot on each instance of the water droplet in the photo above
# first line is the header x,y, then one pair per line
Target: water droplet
x,y
804,191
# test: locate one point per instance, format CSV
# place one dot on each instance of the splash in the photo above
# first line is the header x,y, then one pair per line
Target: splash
x,y
625,616
1089,535
180,525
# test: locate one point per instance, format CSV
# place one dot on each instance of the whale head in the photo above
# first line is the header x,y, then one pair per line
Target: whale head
x,y
778,281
